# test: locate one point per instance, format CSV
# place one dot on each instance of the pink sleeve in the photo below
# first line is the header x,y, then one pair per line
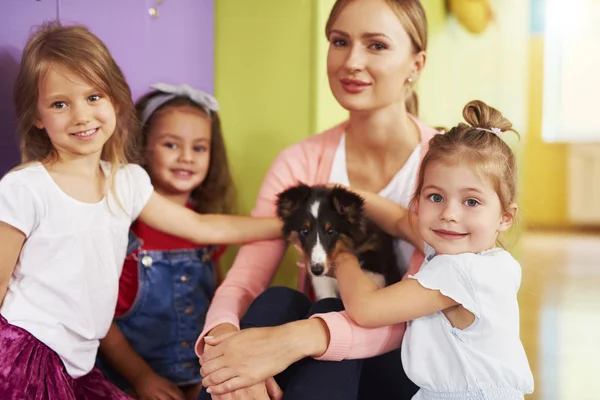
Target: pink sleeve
x,y
256,263
349,340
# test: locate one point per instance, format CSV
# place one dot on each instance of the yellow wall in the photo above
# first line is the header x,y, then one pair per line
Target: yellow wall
x,y
544,176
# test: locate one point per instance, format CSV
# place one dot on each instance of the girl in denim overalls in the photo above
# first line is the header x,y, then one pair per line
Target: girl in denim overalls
x,y
167,282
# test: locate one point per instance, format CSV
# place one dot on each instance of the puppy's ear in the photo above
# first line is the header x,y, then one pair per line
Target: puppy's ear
x,y
290,199
347,204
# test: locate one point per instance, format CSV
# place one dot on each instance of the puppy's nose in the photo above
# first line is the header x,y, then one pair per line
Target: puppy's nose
x,y
317,269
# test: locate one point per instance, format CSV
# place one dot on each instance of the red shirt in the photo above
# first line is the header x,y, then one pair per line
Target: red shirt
x,y
153,240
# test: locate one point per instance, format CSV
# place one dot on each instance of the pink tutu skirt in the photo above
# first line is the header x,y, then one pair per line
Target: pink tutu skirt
x,y
31,370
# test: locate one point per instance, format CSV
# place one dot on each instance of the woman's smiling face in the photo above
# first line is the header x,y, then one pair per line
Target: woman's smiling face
x,y
370,57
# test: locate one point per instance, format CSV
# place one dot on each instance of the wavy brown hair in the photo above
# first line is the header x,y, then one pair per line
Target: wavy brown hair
x,y
412,17
216,194
487,153
75,48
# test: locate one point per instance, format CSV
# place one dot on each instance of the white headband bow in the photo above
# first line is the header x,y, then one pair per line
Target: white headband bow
x,y
169,92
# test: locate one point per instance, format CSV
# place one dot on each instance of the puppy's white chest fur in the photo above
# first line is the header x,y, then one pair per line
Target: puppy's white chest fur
x,y
325,286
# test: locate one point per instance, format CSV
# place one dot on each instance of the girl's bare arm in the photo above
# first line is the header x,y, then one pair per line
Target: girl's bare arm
x,y
392,218
372,307
11,242
182,222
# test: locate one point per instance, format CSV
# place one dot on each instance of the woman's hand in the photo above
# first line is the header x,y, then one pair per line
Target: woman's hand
x,y
268,390
220,330
151,386
245,358
242,359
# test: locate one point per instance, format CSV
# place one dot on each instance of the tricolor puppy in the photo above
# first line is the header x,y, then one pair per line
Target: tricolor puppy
x,y
323,221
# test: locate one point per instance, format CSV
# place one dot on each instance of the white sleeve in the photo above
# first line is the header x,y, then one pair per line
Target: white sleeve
x,y
18,205
445,274
139,189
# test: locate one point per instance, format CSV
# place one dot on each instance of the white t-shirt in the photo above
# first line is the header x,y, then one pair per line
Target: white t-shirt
x,y
400,189
64,287
485,360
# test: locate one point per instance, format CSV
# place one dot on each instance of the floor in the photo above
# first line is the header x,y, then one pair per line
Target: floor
x,y
560,313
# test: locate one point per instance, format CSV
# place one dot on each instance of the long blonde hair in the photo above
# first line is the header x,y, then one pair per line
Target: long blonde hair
x,y
412,17
75,48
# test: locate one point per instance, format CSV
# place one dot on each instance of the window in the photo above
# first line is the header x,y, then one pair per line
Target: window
x,y
571,100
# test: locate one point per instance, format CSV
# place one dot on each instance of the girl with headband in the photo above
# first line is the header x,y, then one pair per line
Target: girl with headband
x,y
168,282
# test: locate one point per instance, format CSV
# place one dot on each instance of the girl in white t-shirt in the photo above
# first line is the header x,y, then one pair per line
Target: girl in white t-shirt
x,y
462,338
65,216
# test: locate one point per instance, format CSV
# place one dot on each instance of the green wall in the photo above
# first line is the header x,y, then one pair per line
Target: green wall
x,y
263,73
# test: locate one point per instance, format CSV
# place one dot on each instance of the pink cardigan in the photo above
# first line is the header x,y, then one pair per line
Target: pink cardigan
x,y
309,162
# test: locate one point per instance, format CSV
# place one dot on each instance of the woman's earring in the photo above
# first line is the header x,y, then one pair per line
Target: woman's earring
x,y
410,79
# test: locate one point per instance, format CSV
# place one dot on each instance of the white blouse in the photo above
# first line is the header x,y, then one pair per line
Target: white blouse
x,y
484,361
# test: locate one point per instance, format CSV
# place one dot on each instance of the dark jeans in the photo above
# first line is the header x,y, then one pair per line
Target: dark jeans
x,y
380,377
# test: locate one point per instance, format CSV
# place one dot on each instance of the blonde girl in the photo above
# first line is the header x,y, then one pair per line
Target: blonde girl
x,y
462,338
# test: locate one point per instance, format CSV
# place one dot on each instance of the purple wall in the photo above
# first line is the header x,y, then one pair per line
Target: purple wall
x,y
177,47
15,21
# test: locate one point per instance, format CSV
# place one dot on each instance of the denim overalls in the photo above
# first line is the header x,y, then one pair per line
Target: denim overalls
x,y
174,292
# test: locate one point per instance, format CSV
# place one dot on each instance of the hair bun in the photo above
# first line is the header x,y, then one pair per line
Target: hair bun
x,y
480,115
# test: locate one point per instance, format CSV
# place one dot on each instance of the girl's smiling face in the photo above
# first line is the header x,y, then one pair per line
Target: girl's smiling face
x,y
459,212
77,117
178,150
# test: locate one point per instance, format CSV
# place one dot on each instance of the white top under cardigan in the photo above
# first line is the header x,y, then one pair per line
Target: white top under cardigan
x,y
400,190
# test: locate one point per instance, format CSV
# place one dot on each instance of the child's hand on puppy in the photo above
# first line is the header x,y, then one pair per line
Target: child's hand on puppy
x,y
302,262
344,259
